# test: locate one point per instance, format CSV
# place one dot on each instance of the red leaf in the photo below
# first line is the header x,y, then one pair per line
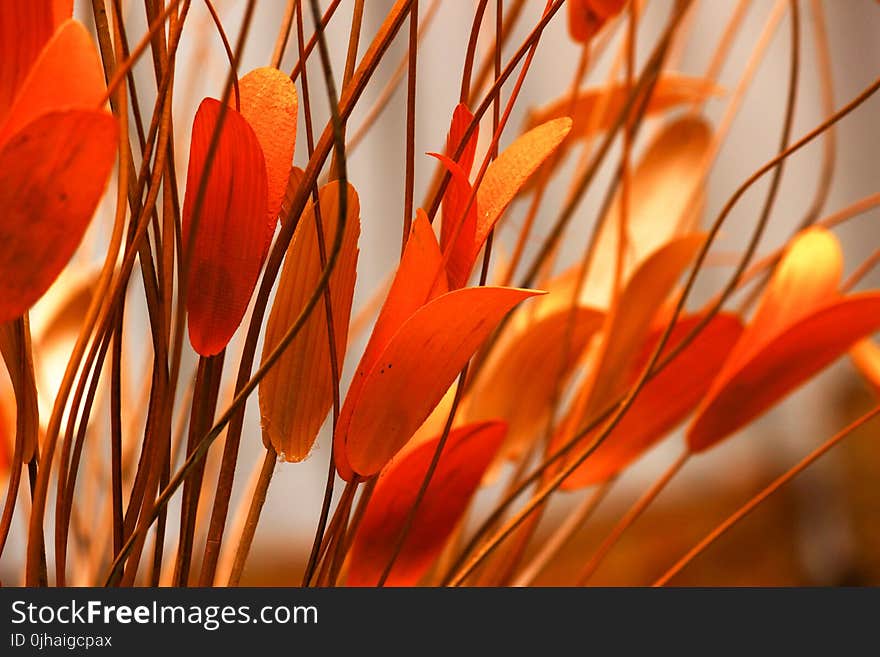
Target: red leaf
x,y
52,176
666,400
466,455
586,17
743,392
231,232
418,280
25,27
66,75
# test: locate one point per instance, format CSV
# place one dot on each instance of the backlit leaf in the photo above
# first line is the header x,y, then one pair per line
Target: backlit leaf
x,y
231,235
25,27
666,400
52,175
467,453
66,75
297,392
416,368
744,390
269,103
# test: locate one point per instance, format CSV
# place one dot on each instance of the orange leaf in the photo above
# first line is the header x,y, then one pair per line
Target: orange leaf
x,y
461,119
455,200
586,17
414,371
865,356
526,372
269,103
663,186
509,172
61,10
6,446
671,90
744,390
666,400
52,175
66,75
467,453
627,326
25,27
418,280
297,392
806,279
231,231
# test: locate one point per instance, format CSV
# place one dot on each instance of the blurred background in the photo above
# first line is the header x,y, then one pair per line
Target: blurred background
x,y
824,529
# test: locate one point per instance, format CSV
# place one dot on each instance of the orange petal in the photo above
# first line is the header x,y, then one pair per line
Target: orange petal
x,y
744,390
414,371
66,75
663,185
25,27
455,200
671,90
418,280
526,372
509,172
297,392
231,232
666,400
269,103
52,175
467,453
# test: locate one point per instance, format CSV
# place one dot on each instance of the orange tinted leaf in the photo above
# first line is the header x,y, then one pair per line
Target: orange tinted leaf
x,y
61,10
467,453
744,390
806,279
519,382
865,356
52,175
269,103
666,400
630,321
297,392
461,119
66,75
416,282
586,17
455,200
627,326
416,368
231,232
663,185
509,172
671,90
25,27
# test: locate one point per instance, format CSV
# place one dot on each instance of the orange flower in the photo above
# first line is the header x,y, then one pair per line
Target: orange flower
x,y
57,147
